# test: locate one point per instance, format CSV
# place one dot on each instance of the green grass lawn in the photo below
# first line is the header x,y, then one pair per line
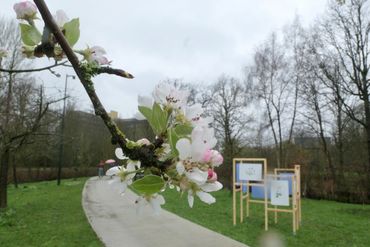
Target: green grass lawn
x,y
324,223
44,214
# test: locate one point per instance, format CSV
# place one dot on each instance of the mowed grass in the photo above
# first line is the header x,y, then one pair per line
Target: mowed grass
x,y
324,223
44,214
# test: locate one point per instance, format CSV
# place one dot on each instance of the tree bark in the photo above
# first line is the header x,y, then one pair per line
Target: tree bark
x,y
4,178
15,179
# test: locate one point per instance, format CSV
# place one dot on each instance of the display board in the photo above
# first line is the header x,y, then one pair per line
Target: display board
x,y
250,171
279,192
247,173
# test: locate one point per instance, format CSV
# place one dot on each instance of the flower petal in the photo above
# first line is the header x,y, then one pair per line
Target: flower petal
x,y
184,147
197,176
180,168
190,199
61,18
210,187
119,154
206,197
113,171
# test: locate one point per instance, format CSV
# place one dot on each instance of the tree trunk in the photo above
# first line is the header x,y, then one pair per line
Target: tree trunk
x,y
367,116
15,179
4,167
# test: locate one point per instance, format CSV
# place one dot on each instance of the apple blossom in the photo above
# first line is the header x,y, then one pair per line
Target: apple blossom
x,y
202,139
169,96
121,176
194,115
25,10
182,154
155,202
95,55
213,157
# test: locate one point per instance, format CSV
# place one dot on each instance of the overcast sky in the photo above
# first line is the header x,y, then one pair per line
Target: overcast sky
x,y
195,40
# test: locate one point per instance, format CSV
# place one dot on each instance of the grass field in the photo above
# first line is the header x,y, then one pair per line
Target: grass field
x,y
325,223
43,214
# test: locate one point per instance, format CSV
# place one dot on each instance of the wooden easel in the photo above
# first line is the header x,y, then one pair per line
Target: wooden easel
x,y
297,172
237,182
295,200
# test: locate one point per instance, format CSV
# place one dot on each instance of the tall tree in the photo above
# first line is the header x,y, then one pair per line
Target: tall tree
x,y
227,105
346,32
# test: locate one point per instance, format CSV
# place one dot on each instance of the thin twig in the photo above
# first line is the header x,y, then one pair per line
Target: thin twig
x,y
33,70
117,135
112,71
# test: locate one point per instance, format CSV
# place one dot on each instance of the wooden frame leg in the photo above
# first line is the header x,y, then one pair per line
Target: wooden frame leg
x,y
234,206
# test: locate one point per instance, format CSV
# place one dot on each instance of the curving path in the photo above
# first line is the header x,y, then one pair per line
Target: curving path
x,y
114,219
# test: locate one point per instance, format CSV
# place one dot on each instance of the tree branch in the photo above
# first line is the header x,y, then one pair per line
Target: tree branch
x,y
33,70
146,153
117,135
112,71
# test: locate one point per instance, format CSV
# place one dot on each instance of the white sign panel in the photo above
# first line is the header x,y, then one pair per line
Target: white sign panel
x,y
280,193
250,172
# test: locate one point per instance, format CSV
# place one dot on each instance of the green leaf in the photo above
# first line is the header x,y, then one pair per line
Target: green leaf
x,y
147,112
173,138
148,185
30,35
157,118
72,31
183,129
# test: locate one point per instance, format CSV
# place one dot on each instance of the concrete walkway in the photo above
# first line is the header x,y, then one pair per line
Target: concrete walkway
x,y
114,219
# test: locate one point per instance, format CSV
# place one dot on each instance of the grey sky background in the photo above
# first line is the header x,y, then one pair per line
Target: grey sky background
x,y
194,40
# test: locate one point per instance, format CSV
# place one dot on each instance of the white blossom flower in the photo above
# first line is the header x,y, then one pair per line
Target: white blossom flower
x,y
202,139
194,115
121,176
25,10
60,18
170,96
95,54
145,101
203,194
155,202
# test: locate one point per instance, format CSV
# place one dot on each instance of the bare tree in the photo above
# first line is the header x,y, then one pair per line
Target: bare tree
x,y
227,102
22,105
269,75
346,33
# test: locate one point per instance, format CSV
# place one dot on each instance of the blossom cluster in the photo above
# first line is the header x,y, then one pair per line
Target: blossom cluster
x,y
33,40
188,145
183,155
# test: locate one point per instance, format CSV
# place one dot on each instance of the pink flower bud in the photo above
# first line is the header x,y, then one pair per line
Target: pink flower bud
x,y
212,176
216,158
26,10
207,156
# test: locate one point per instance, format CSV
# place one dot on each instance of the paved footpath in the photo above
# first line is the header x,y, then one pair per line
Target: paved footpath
x,y
114,219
